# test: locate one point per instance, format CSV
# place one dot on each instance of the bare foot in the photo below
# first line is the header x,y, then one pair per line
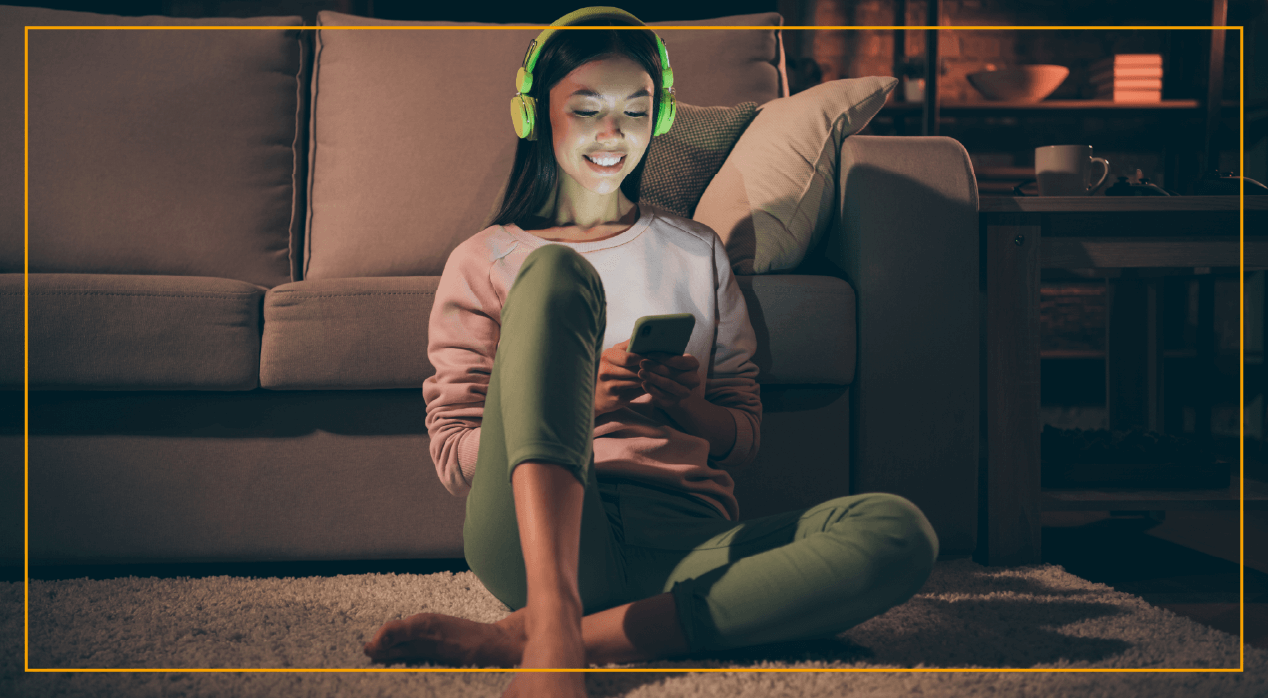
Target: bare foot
x,y
553,646
448,639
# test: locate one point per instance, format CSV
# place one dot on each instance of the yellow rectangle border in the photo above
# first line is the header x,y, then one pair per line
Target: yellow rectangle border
x,y
26,346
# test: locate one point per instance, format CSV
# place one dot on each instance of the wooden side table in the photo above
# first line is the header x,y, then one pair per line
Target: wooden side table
x,y
1018,237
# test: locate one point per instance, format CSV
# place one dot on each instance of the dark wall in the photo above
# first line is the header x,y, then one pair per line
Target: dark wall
x,y
538,11
550,10
127,9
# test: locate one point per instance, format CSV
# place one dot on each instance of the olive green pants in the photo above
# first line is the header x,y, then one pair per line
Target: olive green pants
x,y
802,574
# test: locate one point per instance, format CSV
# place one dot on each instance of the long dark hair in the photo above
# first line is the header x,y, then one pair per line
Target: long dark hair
x,y
533,175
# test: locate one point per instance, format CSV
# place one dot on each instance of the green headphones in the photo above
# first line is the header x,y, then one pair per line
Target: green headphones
x,y
524,108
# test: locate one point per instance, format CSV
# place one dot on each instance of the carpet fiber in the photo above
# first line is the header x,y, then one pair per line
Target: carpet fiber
x,y
965,617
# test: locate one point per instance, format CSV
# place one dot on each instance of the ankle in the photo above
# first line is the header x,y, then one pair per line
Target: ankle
x,y
553,616
553,594
514,624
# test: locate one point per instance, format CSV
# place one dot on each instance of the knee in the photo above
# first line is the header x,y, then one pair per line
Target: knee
x,y
556,279
558,261
559,272
907,526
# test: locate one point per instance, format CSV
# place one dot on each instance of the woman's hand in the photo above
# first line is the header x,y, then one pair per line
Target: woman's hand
x,y
617,383
668,379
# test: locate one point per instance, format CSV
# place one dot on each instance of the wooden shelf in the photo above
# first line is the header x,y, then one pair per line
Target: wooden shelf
x,y
1043,204
1251,356
1072,354
1157,500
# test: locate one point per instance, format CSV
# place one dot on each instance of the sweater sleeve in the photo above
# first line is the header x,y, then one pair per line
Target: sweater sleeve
x,y
462,338
732,378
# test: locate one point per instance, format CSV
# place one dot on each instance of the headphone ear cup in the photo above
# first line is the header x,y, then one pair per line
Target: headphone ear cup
x,y
668,109
517,116
523,111
530,117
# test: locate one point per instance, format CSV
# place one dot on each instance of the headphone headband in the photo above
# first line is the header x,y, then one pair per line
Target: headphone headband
x,y
530,58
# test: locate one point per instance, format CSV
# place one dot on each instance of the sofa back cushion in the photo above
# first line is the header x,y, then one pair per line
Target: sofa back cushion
x,y
152,152
411,137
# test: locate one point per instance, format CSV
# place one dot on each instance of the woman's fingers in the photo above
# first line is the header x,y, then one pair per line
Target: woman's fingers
x,y
624,380
667,385
611,371
679,362
658,368
686,379
674,364
623,387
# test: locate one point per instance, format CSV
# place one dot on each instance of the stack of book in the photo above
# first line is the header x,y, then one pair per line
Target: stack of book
x,y
1128,77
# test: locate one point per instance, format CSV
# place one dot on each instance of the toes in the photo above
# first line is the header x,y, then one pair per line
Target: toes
x,y
389,654
383,652
384,639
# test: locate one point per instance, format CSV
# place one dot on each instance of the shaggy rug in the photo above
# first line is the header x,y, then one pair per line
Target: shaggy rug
x,y
967,617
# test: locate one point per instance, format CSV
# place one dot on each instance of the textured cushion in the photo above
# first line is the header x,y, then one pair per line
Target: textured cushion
x,y
124,332
371,332
345,334
152,152
681,163
773,197
411,140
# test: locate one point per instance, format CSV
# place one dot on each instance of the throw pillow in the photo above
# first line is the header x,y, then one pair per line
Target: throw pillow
x,y
773,197
681,163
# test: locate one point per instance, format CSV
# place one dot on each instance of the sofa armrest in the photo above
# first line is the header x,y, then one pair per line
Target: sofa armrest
x,y
906,235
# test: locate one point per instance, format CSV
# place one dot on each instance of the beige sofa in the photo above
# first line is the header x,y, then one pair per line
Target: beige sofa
x,y
234,241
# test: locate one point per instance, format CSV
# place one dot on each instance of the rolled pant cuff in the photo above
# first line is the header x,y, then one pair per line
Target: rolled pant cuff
x,y
550,453
685,604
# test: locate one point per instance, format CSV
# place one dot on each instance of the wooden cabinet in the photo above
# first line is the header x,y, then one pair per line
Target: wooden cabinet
x,y
1019,238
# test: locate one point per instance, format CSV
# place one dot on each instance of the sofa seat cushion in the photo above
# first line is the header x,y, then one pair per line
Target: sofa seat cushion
x,y
371,332
132,332
345,334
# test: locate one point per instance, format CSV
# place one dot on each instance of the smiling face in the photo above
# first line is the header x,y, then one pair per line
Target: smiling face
x,y
602,108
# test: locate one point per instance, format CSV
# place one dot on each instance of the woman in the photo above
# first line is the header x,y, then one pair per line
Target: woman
x,y
600,509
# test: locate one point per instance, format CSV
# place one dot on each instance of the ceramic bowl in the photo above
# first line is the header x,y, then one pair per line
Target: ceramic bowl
x,y
1023,83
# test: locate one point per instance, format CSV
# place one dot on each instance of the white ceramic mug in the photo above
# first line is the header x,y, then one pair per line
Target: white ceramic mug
x,y
1066,170
914,90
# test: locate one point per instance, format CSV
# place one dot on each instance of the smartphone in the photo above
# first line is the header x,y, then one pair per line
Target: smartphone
x,y
662,333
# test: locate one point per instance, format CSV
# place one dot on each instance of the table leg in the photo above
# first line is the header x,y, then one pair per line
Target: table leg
x,y
1013,521
1177,294
1207,374
1155,361
1133,352
1261,384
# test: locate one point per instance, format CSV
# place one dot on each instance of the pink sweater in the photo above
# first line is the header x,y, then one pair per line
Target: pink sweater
x,y
663,264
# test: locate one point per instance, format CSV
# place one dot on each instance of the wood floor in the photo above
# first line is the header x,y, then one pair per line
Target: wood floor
x,y
1186,563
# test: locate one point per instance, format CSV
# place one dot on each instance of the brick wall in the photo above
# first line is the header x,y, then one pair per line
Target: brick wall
x,y
856,53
